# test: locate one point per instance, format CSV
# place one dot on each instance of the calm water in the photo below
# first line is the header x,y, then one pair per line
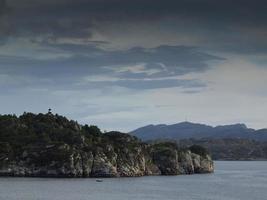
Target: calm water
x,y
231,181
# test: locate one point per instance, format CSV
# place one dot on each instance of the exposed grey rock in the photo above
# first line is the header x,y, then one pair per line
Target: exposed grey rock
x,y
108,162
103,167
186,165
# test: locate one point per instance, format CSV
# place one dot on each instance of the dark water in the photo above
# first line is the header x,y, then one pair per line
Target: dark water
x,y
231,181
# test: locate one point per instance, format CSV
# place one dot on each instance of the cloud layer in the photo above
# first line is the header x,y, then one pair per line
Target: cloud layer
x,y
92,67
126,63
239,26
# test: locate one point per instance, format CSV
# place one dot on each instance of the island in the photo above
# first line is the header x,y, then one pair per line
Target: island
x,y
50,145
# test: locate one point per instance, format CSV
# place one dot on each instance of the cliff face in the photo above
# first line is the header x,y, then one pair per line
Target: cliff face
x,y
128,158
85,154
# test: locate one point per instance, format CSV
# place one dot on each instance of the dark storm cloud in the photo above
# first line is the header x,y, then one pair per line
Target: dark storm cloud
x,y
141,8
66,27
2,6
3,21
166,60
159,67
77,19
90,57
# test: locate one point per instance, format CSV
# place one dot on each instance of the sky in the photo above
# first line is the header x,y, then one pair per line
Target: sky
x,y
123,64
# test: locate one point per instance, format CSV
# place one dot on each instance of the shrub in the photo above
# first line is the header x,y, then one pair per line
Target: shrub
x,y
199,150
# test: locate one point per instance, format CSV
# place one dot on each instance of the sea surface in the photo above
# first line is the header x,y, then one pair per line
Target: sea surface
x,y
232,180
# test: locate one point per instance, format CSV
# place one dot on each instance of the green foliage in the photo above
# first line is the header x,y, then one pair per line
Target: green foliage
x,y
121,140
165,146
31,130
90,131
43,138
199,150
42,155
163,150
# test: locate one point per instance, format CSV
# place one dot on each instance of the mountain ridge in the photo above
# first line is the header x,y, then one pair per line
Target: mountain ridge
x,y
186,130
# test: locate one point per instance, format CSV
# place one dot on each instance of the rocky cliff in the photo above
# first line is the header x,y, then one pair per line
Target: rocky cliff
x,y
47,145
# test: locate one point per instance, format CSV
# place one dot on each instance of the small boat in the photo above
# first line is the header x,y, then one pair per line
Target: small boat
x,y
99,180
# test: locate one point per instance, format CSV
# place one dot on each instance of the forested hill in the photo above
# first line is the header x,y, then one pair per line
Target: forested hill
x,y
50,145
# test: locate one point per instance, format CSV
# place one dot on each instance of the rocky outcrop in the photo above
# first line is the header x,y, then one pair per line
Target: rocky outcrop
x,y
91,154
125,158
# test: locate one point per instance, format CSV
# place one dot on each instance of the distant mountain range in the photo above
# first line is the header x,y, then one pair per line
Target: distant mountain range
x,y
230,142
188,130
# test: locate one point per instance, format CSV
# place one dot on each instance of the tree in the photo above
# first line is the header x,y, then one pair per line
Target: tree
x,y
91,131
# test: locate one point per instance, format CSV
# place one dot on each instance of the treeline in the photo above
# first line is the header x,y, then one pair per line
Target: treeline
x,y
29,130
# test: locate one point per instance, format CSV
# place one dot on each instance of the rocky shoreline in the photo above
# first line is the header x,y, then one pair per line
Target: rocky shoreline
x,y
112,154
109,163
